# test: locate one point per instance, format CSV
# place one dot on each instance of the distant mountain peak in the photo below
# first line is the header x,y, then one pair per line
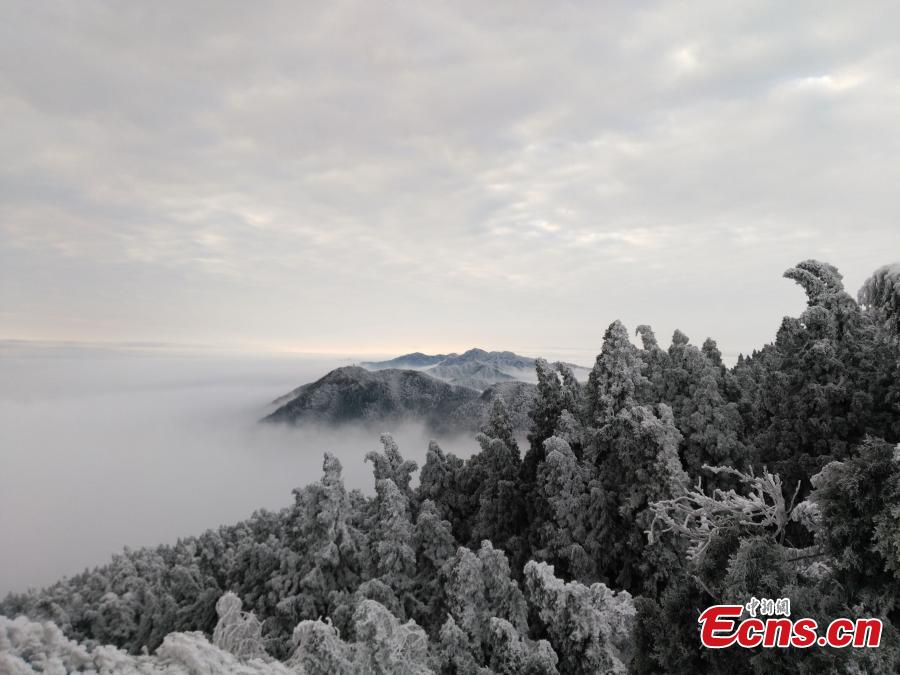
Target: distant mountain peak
x,y
474,352
475,368
414,361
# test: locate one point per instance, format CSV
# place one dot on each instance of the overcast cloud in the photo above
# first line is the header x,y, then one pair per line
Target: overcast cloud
x,y
377,176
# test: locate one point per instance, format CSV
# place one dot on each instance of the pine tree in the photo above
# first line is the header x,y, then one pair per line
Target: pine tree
x,y
656,363
710,426
634,455
387,647
391,543
434,546
545,414
334,560
820,390
589,627
478,588
563,482
511,653
498,425
391,465
441,480
881,294
237,632
494,480
616,380
856,504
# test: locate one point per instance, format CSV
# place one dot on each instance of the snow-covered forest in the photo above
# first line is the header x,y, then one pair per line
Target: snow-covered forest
x,y
667,483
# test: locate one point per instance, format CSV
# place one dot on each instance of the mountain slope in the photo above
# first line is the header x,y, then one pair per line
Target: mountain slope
x,y
473,374
354,394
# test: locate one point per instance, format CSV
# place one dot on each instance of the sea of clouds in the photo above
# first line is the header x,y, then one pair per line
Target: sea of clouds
x,y
106,448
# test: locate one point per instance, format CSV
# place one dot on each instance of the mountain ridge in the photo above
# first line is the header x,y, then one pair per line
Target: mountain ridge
x,y
475,368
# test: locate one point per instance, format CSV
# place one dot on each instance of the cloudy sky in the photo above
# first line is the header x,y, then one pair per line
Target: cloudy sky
x,y
381,177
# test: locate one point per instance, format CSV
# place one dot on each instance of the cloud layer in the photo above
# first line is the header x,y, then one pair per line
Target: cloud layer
x,y
379,176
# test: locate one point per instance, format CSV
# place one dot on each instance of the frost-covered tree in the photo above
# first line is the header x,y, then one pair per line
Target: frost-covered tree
x,y
513,654
881,292
880,297
494,480
856,506
634,461
383,645
237,632
478,588
563,482
392,546
710,426
455,654
442,481
28,647
334,557
711,351
559,400
589,627
319,650
482,497
821,385
434,546
391,465
499,426
386,646
656,363
616,381
544,415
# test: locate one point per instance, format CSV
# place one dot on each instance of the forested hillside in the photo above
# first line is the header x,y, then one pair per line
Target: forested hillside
x,y
666,483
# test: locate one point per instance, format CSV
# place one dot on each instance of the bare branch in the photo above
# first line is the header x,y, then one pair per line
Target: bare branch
x,y
698,516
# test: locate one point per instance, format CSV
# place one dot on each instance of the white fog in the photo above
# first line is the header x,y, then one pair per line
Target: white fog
x,y
116,448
